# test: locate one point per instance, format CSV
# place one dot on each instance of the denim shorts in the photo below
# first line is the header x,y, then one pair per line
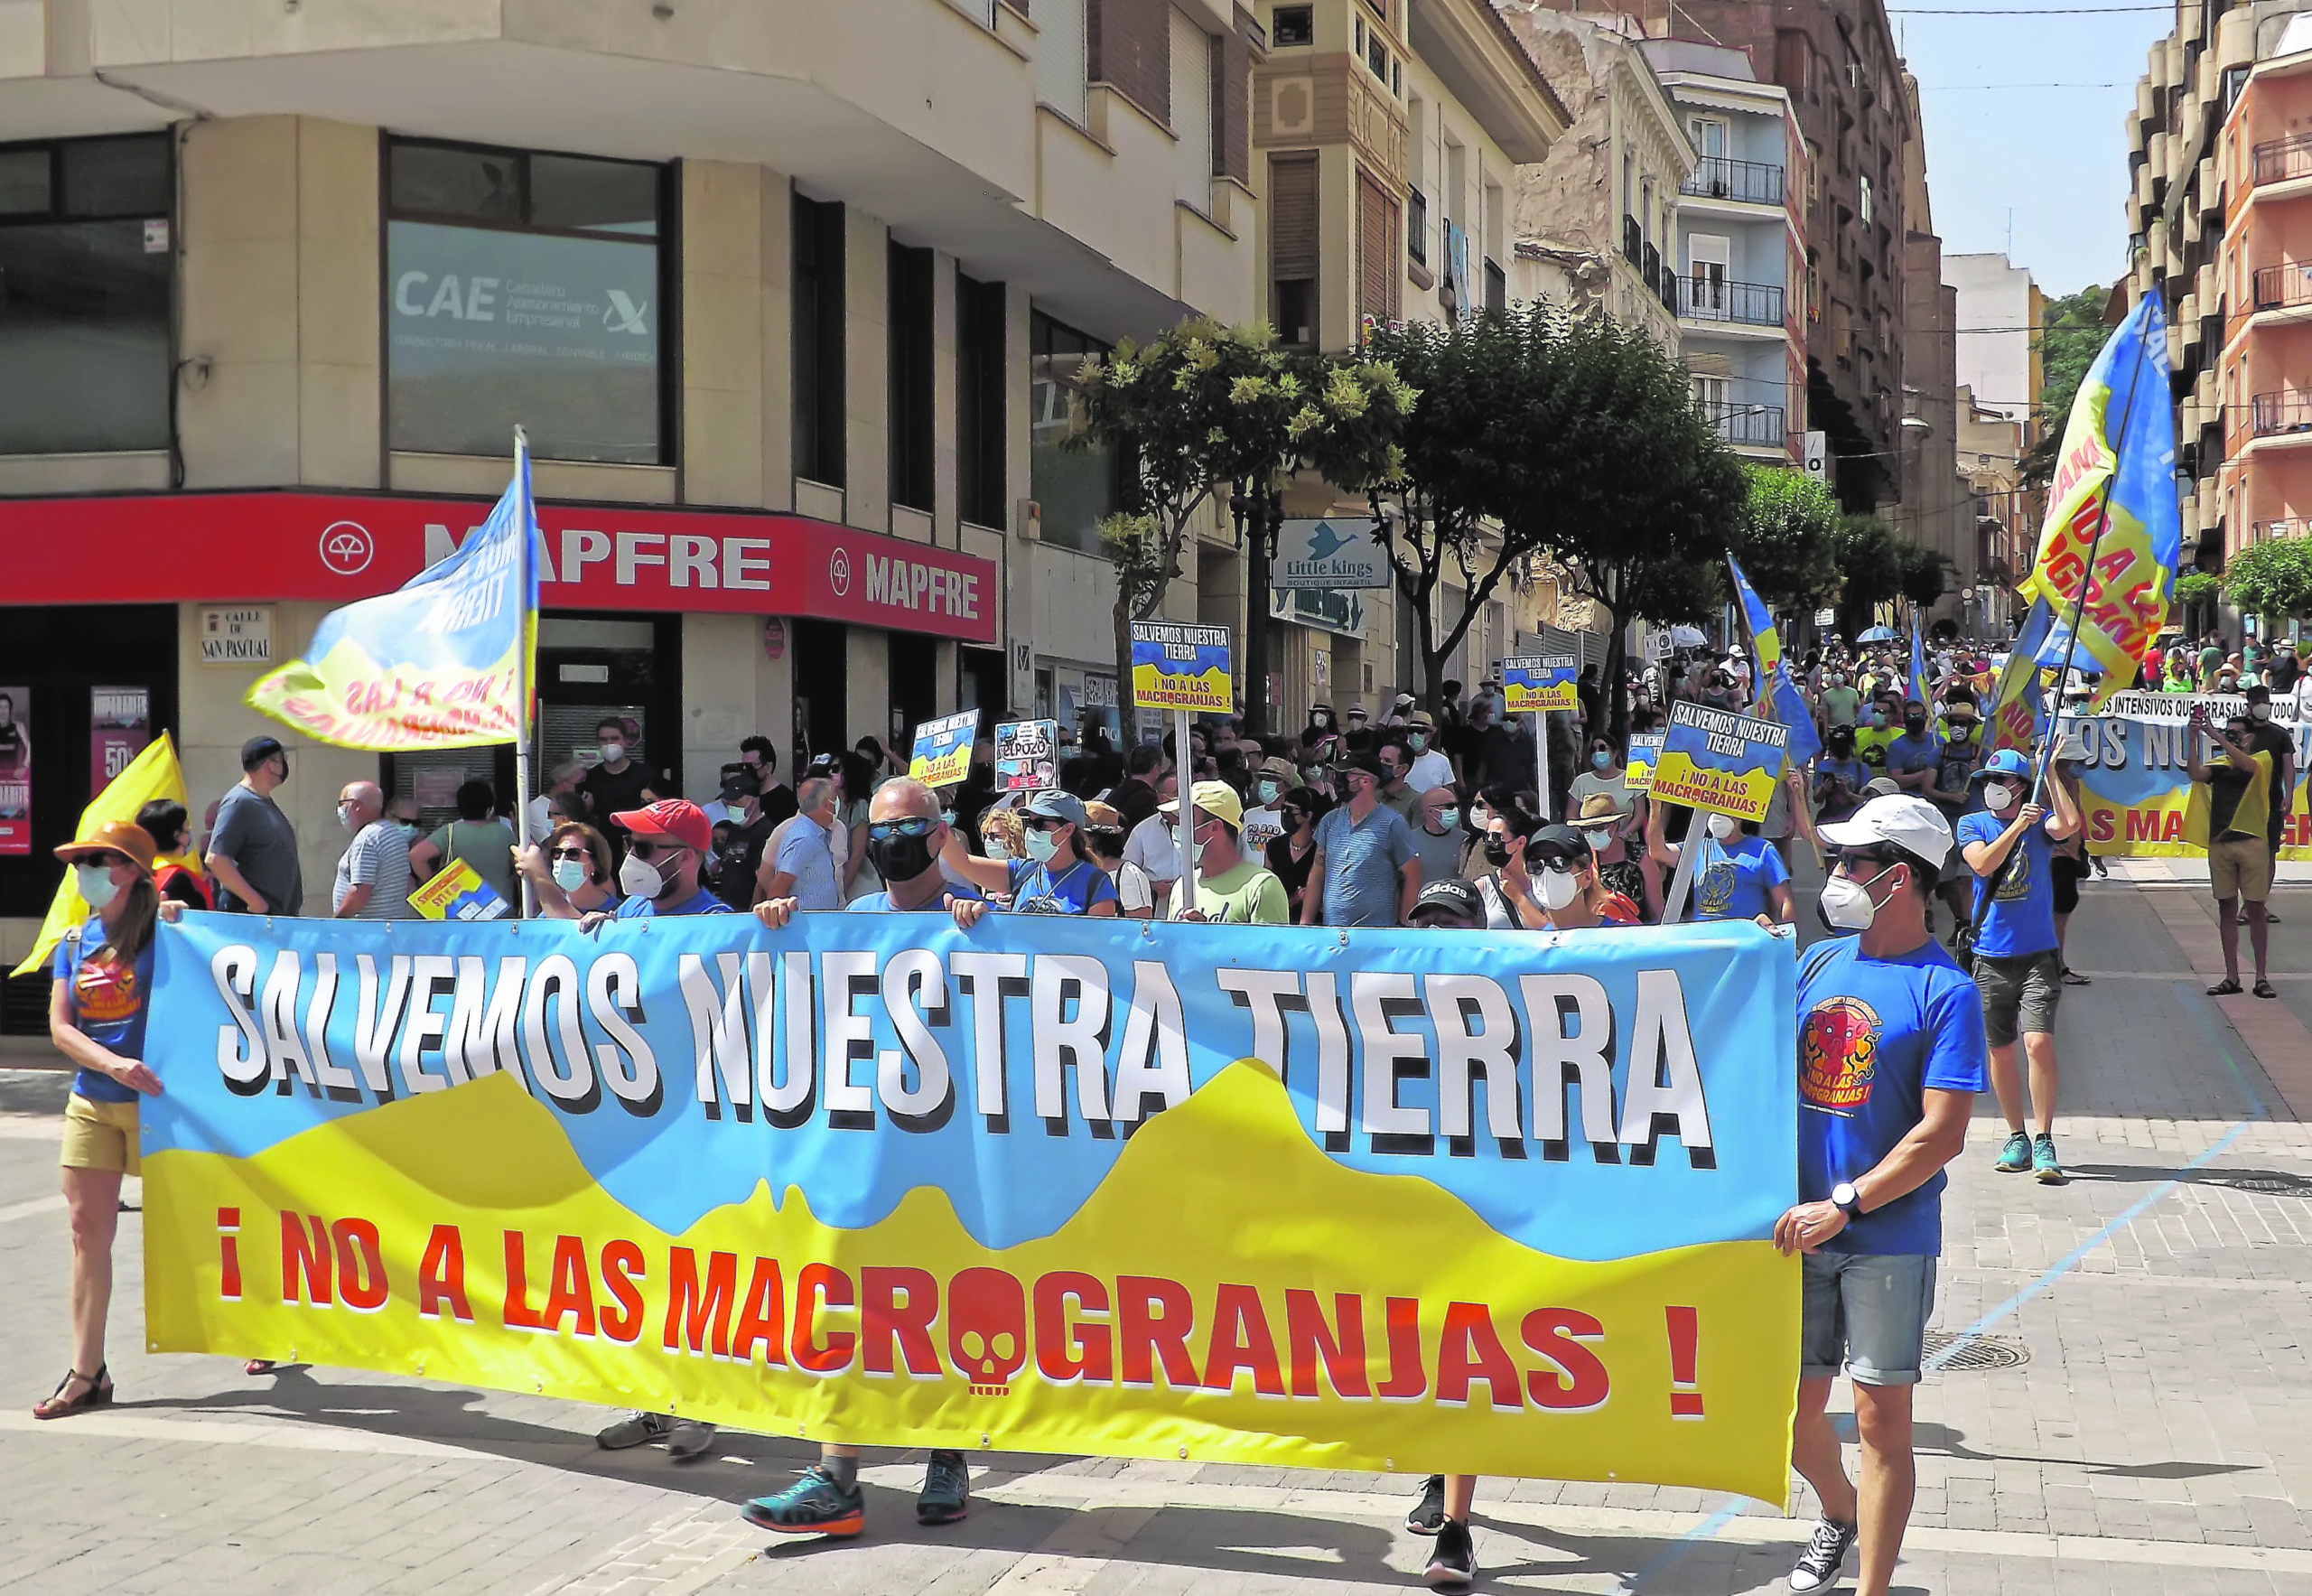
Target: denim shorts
x,y
1866,1312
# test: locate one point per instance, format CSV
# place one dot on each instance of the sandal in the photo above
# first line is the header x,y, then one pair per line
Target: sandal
x,y
2263,988
2227,988
58,1405
2072,978
263,1366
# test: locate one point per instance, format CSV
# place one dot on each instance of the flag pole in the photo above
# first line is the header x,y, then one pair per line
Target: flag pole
x,y
2094,544
522,661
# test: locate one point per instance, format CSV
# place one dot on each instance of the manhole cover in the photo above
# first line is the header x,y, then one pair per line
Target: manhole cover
x,y
2264,1182
1973,1353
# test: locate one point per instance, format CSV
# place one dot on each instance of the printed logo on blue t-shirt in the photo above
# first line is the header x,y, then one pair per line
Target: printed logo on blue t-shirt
x,y
1838,1055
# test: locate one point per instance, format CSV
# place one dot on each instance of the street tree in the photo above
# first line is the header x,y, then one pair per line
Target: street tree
x,y
1786,538
1202,407
1544,433
2272,579
2197,593
1926,575
1870,570
2070,338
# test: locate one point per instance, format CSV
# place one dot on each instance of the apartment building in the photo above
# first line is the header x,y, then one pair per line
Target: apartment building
x,y
2007,513
1936,509
1388,135
1740,260
789,296
1597,223
2000,313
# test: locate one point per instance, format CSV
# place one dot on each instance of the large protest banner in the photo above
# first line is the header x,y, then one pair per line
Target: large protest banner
x,y
2135,781
1254,1194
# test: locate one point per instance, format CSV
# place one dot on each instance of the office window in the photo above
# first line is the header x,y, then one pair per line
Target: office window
x,y
909,344
84,295
982,473
1293,25
1293,248
816,336
523,288
1074,488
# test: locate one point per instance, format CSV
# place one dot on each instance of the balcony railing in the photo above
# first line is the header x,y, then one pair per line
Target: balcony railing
x,y
1633,241
1669,291
1746,423
1754,182
2266,531
2281,286
2280,159
1650,268
2275,414
1713,299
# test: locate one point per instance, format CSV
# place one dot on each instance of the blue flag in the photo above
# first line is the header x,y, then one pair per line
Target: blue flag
x,y
1918,688
1779,698
2019,710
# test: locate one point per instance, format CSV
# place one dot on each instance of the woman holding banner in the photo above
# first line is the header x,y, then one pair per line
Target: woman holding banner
x,y
96,1016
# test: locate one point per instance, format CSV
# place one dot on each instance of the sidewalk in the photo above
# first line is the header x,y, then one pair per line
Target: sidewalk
x,y
2155,1436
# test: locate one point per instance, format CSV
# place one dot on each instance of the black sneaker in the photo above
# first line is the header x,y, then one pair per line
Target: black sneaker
x,y
1454,1565
1818,1565
1428,1516
946,1490
634,1430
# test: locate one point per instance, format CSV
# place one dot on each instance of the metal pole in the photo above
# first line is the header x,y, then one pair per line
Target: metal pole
x,y
1185,777
1541,765
1259,524
1673,902
522,676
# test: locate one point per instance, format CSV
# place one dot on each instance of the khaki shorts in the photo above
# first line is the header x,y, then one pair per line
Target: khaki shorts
x,y
100,1136
2240,867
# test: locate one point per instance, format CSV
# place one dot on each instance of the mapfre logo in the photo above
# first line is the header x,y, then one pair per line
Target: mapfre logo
x,y
839,572
347,547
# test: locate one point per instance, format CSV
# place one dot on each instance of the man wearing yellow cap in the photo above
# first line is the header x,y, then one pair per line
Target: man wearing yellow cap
x,y
1227,886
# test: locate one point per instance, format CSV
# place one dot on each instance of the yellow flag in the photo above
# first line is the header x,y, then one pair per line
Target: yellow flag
x,y
152,774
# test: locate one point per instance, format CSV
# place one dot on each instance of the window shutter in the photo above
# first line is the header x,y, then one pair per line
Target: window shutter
x,y
1376,249
1292,218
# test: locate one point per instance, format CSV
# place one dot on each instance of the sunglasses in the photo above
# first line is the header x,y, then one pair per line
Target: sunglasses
x,y
103,861
579,853
644,848
883,831
1043,823
1841,858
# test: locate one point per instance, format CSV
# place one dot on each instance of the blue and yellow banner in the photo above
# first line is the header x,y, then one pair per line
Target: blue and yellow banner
x,y
1920,690
154,773
1413,1200
2017,713
2135,782
1536,684
441,662
1717,759
1182,667
943,749
2118,445
1779,699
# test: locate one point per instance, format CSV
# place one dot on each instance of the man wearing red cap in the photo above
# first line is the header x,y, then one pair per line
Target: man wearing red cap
x,y
669,840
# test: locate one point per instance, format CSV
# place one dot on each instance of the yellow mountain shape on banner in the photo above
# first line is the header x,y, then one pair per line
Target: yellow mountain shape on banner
x,y
1220,1239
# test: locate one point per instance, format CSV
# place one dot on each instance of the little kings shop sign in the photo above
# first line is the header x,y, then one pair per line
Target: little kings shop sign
x,y
336,547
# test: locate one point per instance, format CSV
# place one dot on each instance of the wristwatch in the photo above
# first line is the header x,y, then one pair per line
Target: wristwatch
x,y
1846,1200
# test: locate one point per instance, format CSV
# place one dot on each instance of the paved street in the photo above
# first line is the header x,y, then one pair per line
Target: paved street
x,y
2156,1437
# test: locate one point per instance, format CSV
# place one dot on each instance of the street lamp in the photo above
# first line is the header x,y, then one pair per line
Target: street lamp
x,y
1257,513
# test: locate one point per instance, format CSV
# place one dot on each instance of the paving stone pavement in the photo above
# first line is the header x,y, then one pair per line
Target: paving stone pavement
x,y
2157,1439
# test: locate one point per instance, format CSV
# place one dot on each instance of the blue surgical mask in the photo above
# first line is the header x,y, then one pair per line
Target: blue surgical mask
x,y
1599,758
1041,845
1449,818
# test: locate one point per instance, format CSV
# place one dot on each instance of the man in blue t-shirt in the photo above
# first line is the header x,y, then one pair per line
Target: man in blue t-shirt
x,y
1365,871
1914,758
1890,1055
2018,962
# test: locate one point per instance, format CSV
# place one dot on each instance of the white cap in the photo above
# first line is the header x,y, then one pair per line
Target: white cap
x,y
1904,819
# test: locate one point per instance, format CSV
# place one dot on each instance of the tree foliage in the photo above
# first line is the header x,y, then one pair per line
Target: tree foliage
x,y
2272,579
1200,408
2198,587
1871,569
2069,339
1786,537
1926,575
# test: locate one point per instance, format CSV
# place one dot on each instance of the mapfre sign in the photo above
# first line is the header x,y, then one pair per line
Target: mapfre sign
x,y
267,547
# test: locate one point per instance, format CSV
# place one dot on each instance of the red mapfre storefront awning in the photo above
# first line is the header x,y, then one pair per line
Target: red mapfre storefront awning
x,y
260,548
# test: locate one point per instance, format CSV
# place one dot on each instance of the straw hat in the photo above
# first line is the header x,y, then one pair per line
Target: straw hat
x,y
131,841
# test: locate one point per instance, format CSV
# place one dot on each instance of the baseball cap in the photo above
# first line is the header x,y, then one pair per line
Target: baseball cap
x,y
1881,787
2006,761
1057,806
1368,763
1212,798
678,818
1283,770
1453,896
259,749
130,841
737,786
1910,823
1558,843
1402,701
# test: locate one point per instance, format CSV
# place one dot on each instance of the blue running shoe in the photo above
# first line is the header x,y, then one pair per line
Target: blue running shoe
x,y
2045,1169
814,1505
2016,1156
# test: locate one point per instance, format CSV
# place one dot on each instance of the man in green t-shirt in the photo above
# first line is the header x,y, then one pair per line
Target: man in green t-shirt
x,y
1227,886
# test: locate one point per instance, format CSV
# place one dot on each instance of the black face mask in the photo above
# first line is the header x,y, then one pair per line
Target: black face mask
x,y
1497,854
1915,724
900,858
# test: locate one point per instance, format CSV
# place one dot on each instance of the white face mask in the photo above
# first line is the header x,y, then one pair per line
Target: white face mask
x,y
570,874
637,878
345,814
94,884
1600,840
2259,712
612,752
1847,905
1041,845
1999,797
1555,887
1722,826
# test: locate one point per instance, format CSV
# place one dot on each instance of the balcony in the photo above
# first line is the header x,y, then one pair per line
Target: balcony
x,y
1650,268
1669,293
1749,182
2279,287
1713,299
2278,160
1755,426
1633,241
2280,414
2266,531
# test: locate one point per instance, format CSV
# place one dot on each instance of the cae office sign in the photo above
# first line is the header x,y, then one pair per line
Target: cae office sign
x,y
260,547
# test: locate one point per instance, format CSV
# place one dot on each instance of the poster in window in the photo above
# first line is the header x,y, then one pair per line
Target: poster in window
x,y
489,327
120,725
15,770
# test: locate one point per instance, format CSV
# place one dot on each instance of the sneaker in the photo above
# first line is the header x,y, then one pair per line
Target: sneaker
x,y
1454,1563
634,1430
814,1505
2016,1156
1818,1565
2044,1165
1428,1516
946,1490
690,1439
